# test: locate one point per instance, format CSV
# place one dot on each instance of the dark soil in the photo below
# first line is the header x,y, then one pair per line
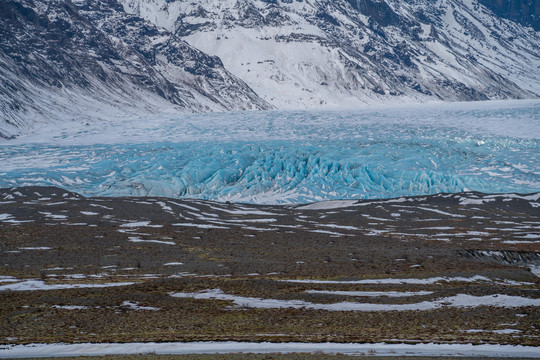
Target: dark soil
x,y
166,246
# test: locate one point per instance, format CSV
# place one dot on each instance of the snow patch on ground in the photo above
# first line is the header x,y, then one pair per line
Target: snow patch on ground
x,y
460,300
372,293
329,205
139,240
140,224
380,349
133,305
427,281
33,285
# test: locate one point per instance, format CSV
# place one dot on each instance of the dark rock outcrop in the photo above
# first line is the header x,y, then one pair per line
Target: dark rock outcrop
x,y
525,12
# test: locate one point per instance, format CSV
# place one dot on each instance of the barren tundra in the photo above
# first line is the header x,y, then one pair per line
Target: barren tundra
x,y
458,268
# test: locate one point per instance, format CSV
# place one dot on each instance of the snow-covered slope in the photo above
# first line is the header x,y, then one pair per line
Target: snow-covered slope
x,y
306,53
87,60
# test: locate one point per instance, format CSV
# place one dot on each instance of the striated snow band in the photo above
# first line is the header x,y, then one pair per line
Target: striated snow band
x,y
378,349
459,300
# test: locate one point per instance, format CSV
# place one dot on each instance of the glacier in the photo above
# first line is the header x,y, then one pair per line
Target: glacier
x,y
288,157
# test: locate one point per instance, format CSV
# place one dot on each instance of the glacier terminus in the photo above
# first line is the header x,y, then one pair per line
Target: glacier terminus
x,y
285,157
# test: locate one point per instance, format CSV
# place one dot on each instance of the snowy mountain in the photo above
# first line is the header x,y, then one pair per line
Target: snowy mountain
x,y
525,12
309,53
87,60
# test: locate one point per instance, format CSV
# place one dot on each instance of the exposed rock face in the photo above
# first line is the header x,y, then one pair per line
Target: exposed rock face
x,y
525,12
62,58
345,52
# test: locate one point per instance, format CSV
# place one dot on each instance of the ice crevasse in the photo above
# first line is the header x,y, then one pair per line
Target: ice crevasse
x,y
278,158
279,172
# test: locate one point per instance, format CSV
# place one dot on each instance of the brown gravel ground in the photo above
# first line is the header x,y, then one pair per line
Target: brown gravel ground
x,y
62,238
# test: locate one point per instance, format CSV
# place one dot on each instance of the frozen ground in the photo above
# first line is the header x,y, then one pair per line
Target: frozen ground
x,y
445,268
289,157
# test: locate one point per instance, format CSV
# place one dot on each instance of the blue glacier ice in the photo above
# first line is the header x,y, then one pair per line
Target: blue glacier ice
x,y
289,156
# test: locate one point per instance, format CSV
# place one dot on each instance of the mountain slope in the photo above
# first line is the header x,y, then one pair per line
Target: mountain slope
x,y
89,59
347,52
525,12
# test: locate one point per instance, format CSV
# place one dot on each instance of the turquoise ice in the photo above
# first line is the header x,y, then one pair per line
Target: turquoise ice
x,y
289,157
